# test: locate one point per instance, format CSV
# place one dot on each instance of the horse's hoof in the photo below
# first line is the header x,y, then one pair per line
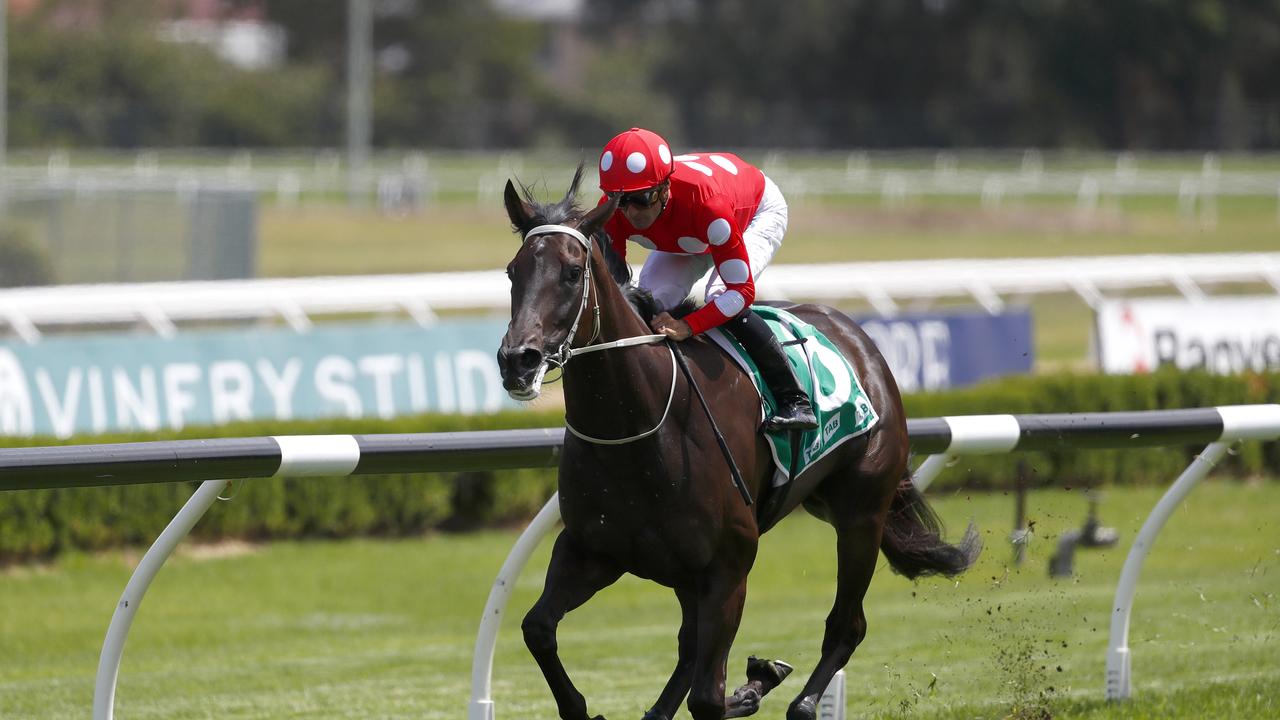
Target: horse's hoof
x,y
769,673
804,708
654,715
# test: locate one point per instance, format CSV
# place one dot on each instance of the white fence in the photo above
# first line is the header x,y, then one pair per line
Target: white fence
x,y
420,176
162,306
942,439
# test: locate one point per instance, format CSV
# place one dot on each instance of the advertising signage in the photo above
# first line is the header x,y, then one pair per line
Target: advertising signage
x,y
935,351
91,384
1224,335
120,383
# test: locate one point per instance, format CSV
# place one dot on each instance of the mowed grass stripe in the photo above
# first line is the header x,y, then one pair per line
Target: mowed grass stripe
x,y
386,628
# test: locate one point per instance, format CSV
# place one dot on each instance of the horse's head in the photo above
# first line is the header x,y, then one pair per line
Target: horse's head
x,y
551,281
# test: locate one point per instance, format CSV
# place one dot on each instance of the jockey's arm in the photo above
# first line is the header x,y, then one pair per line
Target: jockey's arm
x,y
720,231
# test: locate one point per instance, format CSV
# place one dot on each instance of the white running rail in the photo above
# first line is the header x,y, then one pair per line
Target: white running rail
x,y
163,306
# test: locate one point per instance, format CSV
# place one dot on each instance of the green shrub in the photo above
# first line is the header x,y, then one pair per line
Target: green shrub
x,y
1101,393
42,523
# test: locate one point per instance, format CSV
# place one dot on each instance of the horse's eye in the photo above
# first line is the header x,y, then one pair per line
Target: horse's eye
x,y
573,273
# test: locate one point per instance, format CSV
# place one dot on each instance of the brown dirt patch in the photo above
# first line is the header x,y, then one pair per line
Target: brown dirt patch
x,y
216,550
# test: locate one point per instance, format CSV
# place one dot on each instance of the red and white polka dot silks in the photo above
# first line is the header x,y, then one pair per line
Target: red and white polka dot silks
x,y
634,160
713,198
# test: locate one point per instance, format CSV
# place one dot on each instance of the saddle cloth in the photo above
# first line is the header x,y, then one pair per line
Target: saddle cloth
x,y
843,409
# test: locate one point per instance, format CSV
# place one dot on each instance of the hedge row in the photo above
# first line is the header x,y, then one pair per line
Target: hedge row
x,y
37,524
43,523
1102,393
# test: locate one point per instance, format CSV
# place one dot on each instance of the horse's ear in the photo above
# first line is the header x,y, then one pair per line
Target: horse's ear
x,y
520,212
594,220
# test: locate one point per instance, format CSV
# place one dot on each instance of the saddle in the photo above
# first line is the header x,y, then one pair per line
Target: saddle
x,y
844,412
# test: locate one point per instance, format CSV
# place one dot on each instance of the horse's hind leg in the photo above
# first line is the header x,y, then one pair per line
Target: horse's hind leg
x,y
572,578
858,530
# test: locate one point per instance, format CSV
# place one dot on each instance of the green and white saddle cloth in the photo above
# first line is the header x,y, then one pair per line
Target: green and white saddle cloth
x,y
842,407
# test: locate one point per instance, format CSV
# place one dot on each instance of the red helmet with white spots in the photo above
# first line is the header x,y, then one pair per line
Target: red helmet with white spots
x,y
634,160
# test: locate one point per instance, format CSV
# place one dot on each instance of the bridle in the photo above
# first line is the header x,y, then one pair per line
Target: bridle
x,y
566,352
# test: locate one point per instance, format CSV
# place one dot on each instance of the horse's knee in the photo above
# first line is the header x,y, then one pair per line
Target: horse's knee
x,y
539,633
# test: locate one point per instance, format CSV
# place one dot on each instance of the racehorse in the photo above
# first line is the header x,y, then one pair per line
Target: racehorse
x,y
643,488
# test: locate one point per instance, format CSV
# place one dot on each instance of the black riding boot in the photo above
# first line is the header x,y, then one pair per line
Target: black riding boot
x,y
794,412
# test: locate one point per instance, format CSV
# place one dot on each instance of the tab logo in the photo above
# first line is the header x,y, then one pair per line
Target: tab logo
x,y
830,428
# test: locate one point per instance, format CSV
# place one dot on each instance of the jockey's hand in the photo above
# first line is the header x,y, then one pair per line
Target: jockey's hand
x,y
673,328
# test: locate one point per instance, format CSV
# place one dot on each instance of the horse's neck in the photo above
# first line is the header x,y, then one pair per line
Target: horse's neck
x,y
610,385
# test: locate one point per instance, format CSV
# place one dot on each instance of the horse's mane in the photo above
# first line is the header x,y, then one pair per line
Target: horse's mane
x,y
556,213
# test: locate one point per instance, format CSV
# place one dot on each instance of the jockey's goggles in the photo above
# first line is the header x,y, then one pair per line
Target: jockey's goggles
x,y
640,198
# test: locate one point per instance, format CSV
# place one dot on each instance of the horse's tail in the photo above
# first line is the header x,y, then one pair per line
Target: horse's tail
x,y
912,539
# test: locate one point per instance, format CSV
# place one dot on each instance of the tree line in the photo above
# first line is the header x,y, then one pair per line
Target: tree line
x,y
1113,74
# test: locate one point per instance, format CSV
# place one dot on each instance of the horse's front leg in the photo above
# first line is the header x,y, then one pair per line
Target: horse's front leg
x,y
682,677
572,578
720,600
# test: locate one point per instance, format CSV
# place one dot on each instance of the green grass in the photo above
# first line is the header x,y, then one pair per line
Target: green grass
x,y
374,628
466,235
332,239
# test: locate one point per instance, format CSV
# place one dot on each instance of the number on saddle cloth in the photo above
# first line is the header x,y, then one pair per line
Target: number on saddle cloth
x,y
842,407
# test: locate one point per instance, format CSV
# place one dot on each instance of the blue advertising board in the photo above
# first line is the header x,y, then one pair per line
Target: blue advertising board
x,y
82,384
935,351
113,383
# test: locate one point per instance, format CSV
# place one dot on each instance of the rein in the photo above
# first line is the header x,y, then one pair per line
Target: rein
x,y
566,352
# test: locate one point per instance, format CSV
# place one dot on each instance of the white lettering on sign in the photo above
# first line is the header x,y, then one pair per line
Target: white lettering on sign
x,y
281,385
97,400
918,353
179,400
444,384
63,408
65,400
417,384
473,366
137,406
334,374
383,369
935,349
15,398
230,391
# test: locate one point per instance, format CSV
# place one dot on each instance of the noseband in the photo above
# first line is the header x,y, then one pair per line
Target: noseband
x,y
565,352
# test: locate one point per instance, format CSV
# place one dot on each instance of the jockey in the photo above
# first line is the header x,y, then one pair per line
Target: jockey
x,y
715,222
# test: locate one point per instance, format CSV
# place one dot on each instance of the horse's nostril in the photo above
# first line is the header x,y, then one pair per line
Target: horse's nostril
x,y
519,361
529,358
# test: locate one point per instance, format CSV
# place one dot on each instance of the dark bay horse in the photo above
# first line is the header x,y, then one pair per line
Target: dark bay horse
x,y
645,490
